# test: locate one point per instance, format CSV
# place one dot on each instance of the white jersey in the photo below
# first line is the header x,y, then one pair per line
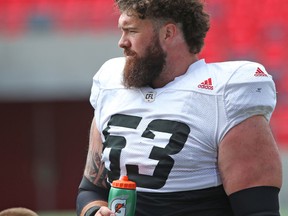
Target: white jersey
x,y
167,139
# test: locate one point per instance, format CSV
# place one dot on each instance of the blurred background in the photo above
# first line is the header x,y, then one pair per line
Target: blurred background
x,y
49,52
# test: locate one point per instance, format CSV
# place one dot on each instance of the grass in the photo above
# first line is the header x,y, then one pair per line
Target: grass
x,y
284,212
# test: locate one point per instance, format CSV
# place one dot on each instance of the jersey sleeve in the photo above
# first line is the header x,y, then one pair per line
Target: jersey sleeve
x,y
108,76
95,90
249,91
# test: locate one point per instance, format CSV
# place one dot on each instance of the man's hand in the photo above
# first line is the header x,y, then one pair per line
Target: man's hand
x,y
104,211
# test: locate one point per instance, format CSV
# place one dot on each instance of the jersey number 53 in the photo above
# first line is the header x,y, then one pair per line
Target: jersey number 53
x,y
179,134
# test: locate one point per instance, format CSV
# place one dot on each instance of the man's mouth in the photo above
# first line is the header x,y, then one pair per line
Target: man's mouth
x,y
129,53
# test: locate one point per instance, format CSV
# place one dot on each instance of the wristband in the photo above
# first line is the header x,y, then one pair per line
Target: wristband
x,y
92,211
89,193
256,201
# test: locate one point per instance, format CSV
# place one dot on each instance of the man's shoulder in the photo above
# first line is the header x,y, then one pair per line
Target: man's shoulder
x,y
110,73
225,69
219,75
232,66
114,63
239,72
213,78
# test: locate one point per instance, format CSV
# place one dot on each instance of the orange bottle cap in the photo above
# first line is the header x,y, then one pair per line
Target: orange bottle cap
x,y
124,182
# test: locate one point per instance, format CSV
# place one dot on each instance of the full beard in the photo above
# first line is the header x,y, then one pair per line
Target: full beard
x,y
142,71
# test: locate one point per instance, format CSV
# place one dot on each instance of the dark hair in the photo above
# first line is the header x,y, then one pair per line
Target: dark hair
x,y
189,14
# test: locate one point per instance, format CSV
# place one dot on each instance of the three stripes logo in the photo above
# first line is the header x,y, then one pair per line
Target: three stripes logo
x,y
260,73
207,84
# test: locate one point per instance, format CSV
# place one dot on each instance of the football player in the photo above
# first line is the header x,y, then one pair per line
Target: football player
x,y
194,136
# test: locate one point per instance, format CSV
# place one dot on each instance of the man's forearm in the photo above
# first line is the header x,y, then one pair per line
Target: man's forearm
x,y
90,196
91,208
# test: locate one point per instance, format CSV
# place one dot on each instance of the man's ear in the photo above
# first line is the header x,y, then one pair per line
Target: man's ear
x,y
169,31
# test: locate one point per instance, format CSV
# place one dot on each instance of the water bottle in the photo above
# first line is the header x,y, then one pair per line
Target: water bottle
x,y
122,197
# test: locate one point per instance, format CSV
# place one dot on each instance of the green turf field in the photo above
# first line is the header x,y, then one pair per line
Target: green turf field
x,y
284,212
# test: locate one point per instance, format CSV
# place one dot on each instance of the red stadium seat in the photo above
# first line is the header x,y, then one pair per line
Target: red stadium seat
x,y
279,124
14,13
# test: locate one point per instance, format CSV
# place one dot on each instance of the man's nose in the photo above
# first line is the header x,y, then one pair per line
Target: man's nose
x,y
124,42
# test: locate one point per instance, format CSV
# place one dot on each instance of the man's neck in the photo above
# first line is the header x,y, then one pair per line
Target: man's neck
x,y
174,68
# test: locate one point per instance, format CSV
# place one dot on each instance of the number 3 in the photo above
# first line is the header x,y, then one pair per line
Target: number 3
x,y
179,134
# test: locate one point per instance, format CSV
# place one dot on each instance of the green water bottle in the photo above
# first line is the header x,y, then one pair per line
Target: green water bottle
x,y
122,197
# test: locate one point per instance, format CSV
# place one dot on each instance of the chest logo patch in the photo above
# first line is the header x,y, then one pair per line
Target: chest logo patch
x,y
150,96
206,84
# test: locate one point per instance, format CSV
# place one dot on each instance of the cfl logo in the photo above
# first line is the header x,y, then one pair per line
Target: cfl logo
x,y
150,96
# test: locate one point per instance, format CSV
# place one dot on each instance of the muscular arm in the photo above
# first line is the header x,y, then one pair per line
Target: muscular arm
x,y
93,188
94,169
248,157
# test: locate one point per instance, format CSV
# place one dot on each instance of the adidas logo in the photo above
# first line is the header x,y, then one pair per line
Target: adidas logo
x,y
259,72
207,84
